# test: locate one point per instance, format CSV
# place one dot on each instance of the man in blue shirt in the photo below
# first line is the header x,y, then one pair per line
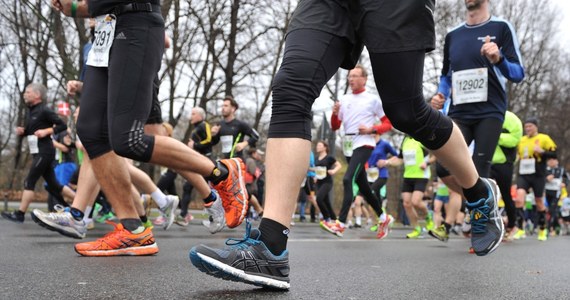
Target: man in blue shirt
x,y
479,56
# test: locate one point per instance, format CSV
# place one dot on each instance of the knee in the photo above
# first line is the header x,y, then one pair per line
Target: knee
x,y
414,117
133,144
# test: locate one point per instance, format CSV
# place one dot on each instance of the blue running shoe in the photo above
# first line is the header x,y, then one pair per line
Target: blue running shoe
x,y
487,228
247,260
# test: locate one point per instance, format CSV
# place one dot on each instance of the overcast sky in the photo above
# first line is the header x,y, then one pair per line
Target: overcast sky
x,y
565,23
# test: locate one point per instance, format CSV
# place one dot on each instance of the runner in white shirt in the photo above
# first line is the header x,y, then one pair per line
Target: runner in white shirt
x,y
359,111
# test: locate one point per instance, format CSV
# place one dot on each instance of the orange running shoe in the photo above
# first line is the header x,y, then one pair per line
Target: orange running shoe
x,y
233,192
120,242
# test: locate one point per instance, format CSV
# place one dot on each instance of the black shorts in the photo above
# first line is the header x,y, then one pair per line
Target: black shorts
x,y
410,185
384,26
155,116
534,181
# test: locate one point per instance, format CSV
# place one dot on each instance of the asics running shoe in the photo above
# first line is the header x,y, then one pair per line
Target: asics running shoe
x,y
487,228
384,227
60,221
233,192
216,215
247,260
120,242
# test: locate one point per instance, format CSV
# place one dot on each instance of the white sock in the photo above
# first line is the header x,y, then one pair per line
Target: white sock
x,y
382,217
358,221
87,212
159,198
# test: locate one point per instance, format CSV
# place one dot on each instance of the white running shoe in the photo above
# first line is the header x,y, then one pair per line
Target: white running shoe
x,y
61,221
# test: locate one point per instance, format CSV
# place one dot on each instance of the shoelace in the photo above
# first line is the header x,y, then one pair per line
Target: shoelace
x,y
479,225
60,213
242,243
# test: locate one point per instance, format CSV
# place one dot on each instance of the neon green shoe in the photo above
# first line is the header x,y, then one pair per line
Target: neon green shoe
x,y
374,228
105,217
520,234
439,233
148,224
416,234
543,234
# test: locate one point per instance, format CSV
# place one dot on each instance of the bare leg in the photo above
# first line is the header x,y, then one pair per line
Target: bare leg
x,y
173,154
453,207
87,186
454,155
112,173
409,207
285,172
27,197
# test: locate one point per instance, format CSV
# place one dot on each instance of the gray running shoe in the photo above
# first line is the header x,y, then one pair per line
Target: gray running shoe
x,y
487,228
60,221
217,216
168,211
247,260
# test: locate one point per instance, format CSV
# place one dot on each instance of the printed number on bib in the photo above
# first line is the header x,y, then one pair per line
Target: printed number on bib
x,y
227,143
554,184
470,86
372,174
409,158
320,172
347,145
104,35
526,166
33,144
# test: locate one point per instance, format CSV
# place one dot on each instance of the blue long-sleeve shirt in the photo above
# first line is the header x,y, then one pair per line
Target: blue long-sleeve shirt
x,y
381,151
462,51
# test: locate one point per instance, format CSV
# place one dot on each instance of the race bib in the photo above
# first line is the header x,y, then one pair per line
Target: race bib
x,y
470,86
104,35
565,209
33,144
409,158
526,166
320,172
227,143
347,145
372,174
553,185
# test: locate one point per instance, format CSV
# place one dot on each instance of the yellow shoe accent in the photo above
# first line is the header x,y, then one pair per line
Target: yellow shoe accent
x,y
542,234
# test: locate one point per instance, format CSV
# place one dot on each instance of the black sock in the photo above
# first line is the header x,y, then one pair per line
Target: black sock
x,y
477,192
219,173
131,224
520,217
19,213
210,198
76,214
143,219
447,227
273,235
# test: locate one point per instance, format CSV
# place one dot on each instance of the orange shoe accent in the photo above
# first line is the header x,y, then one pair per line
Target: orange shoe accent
x,y
384,227
120,242
233,192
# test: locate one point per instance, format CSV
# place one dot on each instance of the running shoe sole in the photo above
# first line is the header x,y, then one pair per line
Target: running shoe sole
x,y
50,226
430,232
218,269
130,251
